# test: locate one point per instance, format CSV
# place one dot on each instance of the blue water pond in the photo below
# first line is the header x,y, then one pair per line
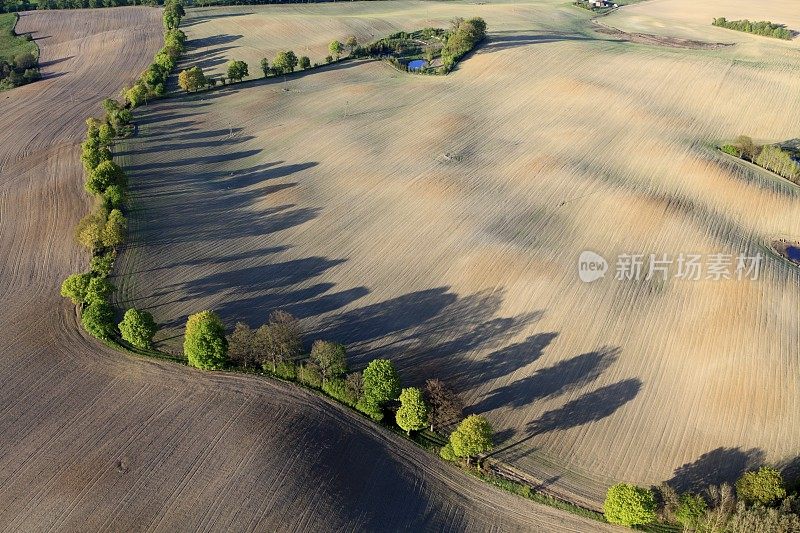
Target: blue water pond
x,y
793,253
417,64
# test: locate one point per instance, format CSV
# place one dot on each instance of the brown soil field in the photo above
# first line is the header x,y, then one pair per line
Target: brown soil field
x,y
438,221
96,440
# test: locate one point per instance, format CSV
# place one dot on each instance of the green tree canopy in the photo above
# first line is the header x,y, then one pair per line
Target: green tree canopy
x,y
473,436
413,413
330,357
237,70
104,175
98,290
98,319
629,505
285,62
204,343
305,62
381,384
351,42
75,287
691,510
335,48
138,327
764,486
192,79
265,66
115,229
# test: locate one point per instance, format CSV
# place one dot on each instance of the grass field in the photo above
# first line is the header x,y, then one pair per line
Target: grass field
x,y
438,221
12,45
96,440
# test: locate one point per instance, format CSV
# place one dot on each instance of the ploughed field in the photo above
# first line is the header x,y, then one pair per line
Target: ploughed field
x,y
438,221
93,439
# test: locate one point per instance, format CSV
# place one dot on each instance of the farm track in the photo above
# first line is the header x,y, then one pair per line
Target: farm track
x,y
438,221
94,440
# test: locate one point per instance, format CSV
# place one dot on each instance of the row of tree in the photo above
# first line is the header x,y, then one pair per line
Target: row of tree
x,y
9,6
769,156
763,27
22,68
104,229
757,503
277,348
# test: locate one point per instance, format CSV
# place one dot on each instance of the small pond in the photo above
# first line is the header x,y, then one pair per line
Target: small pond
x,y
793,253
417,64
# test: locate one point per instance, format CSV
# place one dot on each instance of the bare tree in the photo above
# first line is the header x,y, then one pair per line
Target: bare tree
x,y
279,340
723,505
241,344
446,406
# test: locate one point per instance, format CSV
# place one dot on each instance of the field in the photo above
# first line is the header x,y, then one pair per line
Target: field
x,y
10,44
439,220
97,440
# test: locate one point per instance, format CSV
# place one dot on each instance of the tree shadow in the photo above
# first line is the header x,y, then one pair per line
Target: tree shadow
x,y
561,378
715,467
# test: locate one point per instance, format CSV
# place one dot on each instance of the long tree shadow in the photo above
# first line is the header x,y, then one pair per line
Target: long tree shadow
x,y
715,467
561,378
590,407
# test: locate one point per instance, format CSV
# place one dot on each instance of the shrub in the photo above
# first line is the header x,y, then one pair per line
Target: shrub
x,y
138,327
764,486
330,357
335,48
473,436
286,370
629,505
381,385
309,375
204,344
731,150
337,388
691,510
75,287
329,59
413,413
447,453
98,319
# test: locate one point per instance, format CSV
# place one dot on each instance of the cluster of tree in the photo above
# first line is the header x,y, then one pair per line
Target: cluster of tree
x,y
23,69
153,81
763,27
771,157
463,37
757,503
8,6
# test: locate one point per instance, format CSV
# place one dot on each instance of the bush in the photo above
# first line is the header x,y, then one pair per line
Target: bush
x,y
764,486
138,327
309,375
731,150
337,389
75,287
204,344
447,453
691,510
381,385
98,319
286,370
629,505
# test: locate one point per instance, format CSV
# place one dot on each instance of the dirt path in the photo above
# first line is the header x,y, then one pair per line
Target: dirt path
x,y
94,440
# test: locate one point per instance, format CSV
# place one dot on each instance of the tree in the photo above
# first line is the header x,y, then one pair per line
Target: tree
x,y
305,62
114,196
93,152
98,319
115,229
381,385
629,505
330,357
473,436
335,48
98,290
445,405
136,95
138,328
764,486
285,62
237,70
89,231
265,67
192,79
351,42
204,344
413,413
103,176
690,511
723,505
355,386
241,345
75,287
279,340
747,147
25,60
